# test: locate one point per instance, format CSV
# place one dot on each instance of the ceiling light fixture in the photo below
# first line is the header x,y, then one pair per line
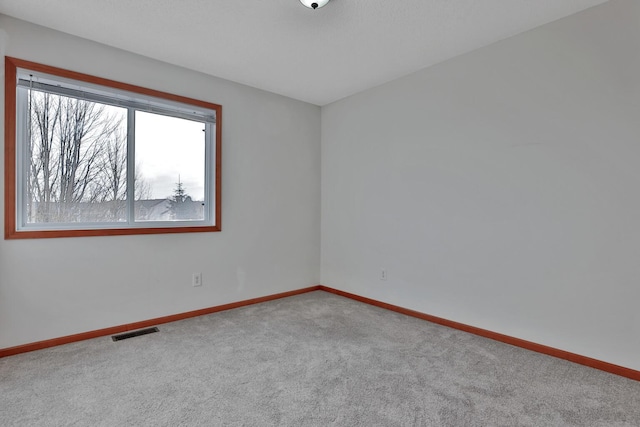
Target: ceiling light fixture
x,y
314,4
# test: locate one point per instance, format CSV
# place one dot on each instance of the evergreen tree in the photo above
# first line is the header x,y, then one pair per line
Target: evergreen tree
x,y
180,204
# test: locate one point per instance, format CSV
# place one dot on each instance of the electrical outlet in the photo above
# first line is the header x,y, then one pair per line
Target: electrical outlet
x,y
196,279
383,274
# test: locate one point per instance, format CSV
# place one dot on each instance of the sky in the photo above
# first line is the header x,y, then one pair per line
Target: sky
x,y
168,149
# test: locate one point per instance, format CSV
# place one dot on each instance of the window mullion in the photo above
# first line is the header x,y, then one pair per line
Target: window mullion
x,y
131,161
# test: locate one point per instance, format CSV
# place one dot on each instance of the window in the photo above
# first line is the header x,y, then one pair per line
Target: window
x,y
86,156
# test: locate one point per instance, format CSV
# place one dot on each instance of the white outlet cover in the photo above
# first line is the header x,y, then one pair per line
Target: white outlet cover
x,y
196,280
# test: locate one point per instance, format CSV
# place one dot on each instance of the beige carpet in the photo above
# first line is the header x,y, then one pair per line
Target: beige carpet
x,y
311,360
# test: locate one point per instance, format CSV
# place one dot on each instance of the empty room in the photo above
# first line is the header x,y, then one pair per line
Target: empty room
x,y
313,213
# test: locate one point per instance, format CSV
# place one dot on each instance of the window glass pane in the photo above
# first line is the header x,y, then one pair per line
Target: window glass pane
x,y
170,168
76,160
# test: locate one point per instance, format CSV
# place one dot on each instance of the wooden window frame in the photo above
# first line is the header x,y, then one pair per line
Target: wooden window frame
x,y
10,153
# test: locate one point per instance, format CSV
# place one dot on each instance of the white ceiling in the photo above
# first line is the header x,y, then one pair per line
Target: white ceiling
x,y
281,46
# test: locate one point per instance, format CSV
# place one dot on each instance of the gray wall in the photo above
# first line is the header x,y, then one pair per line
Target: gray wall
x,y
500,189
270,215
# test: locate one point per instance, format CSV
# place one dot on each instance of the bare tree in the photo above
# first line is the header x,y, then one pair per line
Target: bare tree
x,y
78,160
113,177
44,119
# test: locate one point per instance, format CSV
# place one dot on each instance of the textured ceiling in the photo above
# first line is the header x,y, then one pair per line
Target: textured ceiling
x,y
281,46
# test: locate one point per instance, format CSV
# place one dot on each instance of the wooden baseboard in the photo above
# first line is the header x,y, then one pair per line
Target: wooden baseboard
x,y
561,354
145,323
539,348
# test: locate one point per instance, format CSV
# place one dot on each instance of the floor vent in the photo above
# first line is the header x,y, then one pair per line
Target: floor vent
x,y
134,334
